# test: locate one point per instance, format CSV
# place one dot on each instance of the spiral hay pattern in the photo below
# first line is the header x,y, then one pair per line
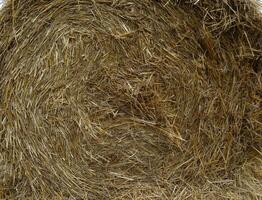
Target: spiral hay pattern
x,y
130,99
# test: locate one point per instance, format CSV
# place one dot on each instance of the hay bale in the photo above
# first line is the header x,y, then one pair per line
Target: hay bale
x,y
130,99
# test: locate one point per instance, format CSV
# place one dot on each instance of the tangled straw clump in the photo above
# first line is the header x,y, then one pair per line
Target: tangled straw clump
x,y
130,99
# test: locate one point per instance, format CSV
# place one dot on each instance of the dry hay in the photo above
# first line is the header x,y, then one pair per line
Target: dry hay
x,y
130,99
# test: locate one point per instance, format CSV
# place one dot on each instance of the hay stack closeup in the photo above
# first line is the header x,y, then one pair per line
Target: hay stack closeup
x,y
130,99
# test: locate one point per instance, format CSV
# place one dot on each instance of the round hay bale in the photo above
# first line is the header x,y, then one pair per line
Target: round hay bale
x,y
130,99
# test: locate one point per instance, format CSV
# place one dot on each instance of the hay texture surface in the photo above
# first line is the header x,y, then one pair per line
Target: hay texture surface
x,y
130,99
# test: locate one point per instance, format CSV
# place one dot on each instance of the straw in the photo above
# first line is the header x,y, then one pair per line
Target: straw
x,y
130,99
